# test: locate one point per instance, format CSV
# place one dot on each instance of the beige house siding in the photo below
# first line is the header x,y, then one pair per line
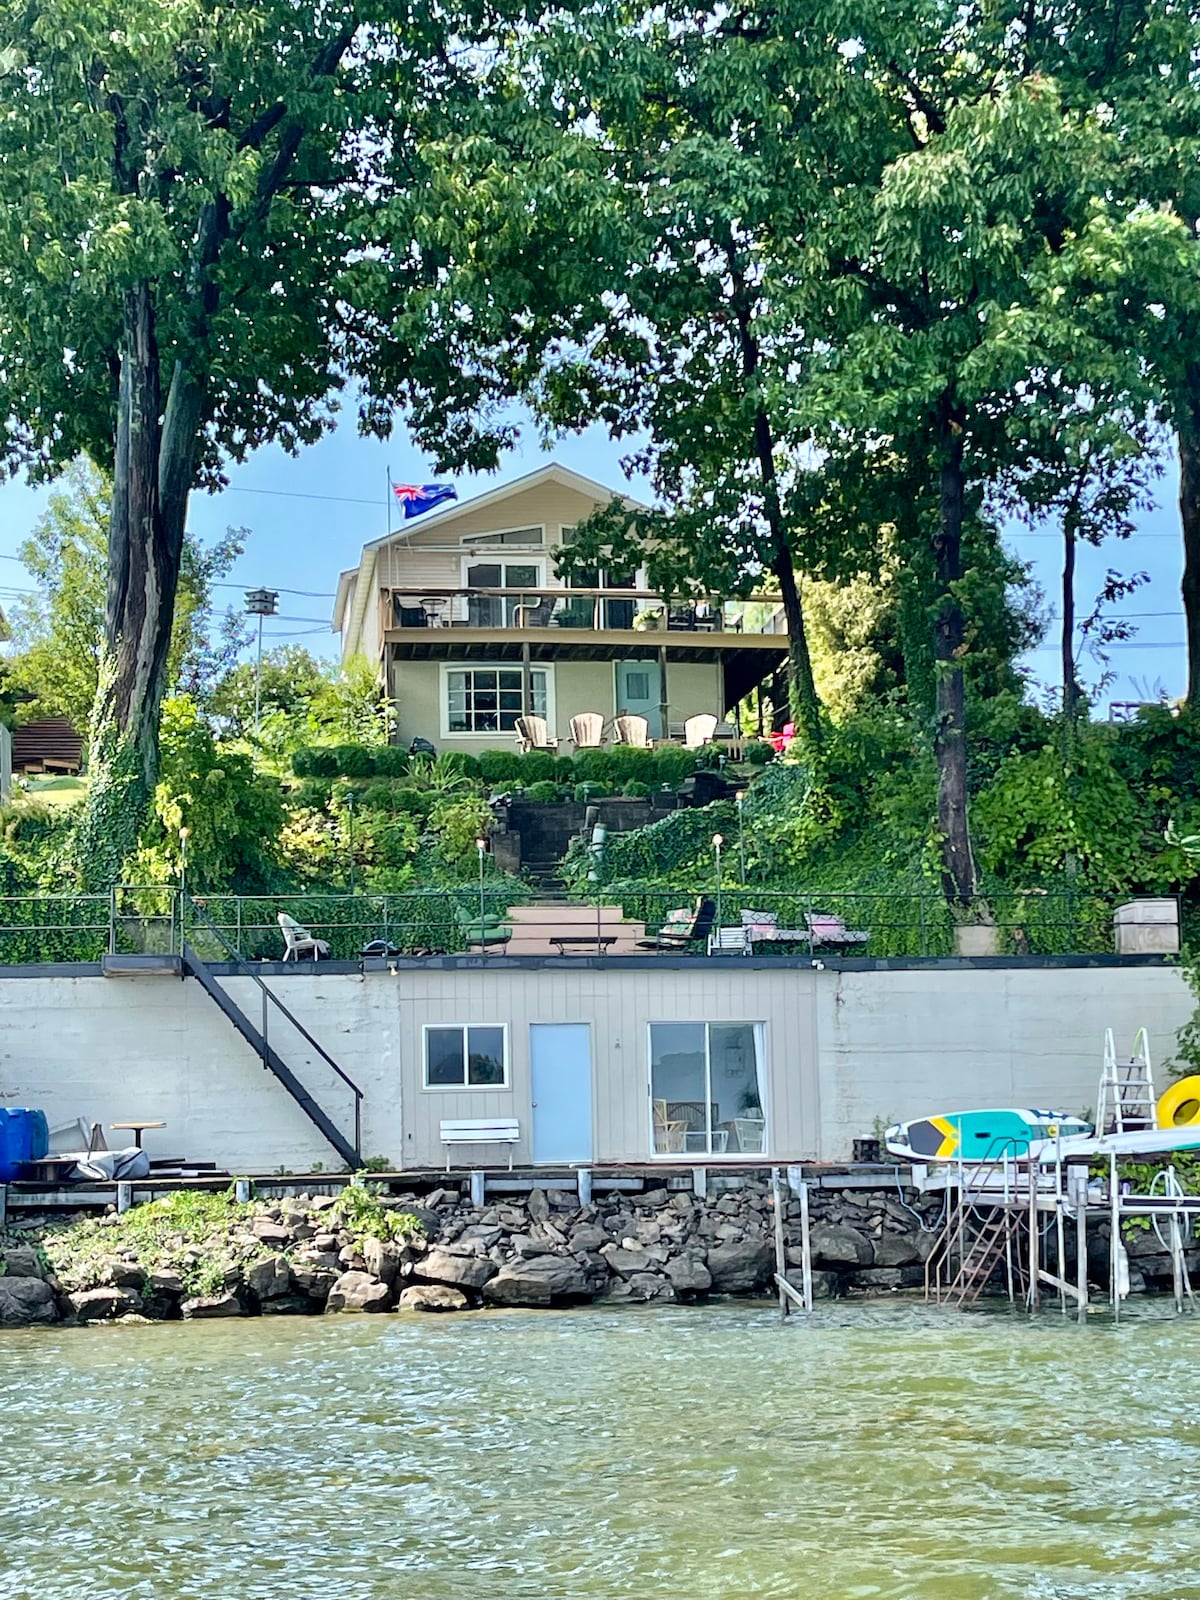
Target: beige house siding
x,y
416,686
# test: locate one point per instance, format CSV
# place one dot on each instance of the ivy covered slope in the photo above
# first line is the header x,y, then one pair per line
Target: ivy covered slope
x,y
1070,821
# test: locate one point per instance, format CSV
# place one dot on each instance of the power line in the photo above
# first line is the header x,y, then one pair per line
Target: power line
x,y
305,594
298,494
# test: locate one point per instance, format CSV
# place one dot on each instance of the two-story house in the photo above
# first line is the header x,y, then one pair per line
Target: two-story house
x,y
471,627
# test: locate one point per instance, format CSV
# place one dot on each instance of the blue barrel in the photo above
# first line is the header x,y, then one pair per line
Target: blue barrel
x,y
24,1136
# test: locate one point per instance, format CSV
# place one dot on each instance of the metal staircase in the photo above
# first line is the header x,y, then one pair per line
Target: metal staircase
x,y
1127,1100
985,1252
258,1039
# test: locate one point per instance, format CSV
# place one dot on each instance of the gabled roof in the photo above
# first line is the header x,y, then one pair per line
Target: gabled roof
x,y
361,590
552,472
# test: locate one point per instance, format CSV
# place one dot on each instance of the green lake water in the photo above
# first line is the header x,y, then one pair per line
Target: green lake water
x,y
879,1451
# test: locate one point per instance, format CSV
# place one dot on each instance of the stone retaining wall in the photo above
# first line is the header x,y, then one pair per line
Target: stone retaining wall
x,y
299,1256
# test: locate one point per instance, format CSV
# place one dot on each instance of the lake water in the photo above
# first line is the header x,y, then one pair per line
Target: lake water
x,y
880,1451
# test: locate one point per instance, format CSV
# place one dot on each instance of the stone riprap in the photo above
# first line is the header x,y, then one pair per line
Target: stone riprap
x,y
307,1254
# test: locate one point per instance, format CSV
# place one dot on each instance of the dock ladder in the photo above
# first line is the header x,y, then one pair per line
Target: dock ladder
x,y
1127,1099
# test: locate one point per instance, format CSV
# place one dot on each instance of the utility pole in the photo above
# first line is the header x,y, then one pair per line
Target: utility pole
x,y
260,603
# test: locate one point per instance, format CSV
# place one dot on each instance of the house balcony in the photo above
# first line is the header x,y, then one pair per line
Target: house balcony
x,y
747,637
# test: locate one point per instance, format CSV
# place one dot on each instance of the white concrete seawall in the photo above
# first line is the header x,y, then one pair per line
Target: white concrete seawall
x,y
842,1049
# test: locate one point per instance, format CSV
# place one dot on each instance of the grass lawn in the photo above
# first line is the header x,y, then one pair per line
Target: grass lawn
x,y
62,791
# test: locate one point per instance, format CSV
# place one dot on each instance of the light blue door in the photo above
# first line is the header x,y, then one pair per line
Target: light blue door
x,y
560,1055
639,691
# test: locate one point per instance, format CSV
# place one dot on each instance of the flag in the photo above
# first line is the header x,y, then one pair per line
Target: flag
x,y
418,497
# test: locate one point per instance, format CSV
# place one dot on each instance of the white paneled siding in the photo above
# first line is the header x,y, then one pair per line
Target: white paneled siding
x,y
843,1049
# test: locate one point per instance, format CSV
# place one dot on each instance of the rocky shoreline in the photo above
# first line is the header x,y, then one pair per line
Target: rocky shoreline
x,y
205,1255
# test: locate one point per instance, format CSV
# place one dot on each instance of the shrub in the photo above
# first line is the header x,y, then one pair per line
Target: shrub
x,y
456,763
304,763
354,760
317,762
542,794
415,802
758,752
391,761
499,766
380,796
628,761
538,767
672,764
634,790
593,765
585,793
564,770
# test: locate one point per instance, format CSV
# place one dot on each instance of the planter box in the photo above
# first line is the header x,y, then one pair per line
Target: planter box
x,y
976,939
1146,927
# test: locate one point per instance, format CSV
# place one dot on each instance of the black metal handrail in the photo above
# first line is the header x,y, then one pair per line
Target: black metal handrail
x,y
247,970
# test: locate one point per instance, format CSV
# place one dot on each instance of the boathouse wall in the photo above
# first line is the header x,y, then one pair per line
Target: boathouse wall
x,y
843,1048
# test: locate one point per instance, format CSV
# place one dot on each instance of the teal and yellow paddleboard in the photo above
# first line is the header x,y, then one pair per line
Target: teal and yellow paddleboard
x,y
982,1135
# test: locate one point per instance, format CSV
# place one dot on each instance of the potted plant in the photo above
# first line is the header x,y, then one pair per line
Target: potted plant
x,y
648,620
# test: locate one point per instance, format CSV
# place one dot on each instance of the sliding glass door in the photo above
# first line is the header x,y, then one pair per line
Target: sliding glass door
x,y
706,1088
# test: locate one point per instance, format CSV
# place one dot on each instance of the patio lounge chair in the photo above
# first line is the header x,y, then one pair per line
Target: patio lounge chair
x,y
629,729
826,929
683,928
587,730
484,931
699,730
532,734
299,942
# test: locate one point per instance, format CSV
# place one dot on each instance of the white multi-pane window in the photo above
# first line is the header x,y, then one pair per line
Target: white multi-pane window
x,y
488,699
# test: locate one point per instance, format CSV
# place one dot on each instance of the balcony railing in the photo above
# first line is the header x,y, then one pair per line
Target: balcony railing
x,y
599,610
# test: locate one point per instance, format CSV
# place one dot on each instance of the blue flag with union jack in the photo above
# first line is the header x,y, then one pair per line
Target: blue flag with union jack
x,y
418,497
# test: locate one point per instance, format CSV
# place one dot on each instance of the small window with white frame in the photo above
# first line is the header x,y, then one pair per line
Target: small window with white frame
x,y
466,1056
488,699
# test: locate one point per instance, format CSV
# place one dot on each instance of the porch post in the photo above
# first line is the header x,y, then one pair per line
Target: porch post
x,y
664,705
527,682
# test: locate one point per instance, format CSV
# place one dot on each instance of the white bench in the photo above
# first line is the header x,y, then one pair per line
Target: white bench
x,y
481,1130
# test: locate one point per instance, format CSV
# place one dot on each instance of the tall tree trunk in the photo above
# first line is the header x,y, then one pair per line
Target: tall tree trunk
x,y
152,473
1188,425
802,688
950,736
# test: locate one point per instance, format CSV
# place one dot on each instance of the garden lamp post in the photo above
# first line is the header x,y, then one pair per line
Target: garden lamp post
x,y
481,847
717,842
183,839
740,798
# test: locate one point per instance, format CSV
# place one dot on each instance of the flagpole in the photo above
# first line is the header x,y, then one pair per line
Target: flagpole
x,y
388,497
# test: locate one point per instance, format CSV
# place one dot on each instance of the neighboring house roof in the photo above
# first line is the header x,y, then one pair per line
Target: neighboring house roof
x,y
356,584
48,739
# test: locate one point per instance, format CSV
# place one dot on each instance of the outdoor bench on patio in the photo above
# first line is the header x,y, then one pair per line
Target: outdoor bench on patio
x,y
481,1130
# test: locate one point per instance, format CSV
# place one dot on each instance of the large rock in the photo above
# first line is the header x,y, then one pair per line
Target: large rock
x,y
382,1259
741,1268
100,1305
444,1266
837,1244
124,1274
358,1291
539,1281
314,1278
896,1250
432,1297
165,1281
689,1275
626,1261
24,1301
212,1305
588,1237
269,1279
20,1261
272,1233
641,1286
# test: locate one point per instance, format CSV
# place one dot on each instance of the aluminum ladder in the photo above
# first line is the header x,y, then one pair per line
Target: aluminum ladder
x,y
1127,1102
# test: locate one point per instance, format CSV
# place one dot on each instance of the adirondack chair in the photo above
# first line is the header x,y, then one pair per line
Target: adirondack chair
x,y
298,941
587,730
629,729
483,931
699,730
532,734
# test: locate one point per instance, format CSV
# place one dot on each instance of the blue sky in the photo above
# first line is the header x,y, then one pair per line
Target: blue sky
x,y
309,516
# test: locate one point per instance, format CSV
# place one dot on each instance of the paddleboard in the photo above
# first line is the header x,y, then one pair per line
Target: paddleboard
x,y
982,1135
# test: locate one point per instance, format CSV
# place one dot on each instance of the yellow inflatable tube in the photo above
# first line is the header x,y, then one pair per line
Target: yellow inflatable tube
x,y
1179,1107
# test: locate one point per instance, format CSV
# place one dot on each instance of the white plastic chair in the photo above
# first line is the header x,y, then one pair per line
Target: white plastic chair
x,y
298,941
